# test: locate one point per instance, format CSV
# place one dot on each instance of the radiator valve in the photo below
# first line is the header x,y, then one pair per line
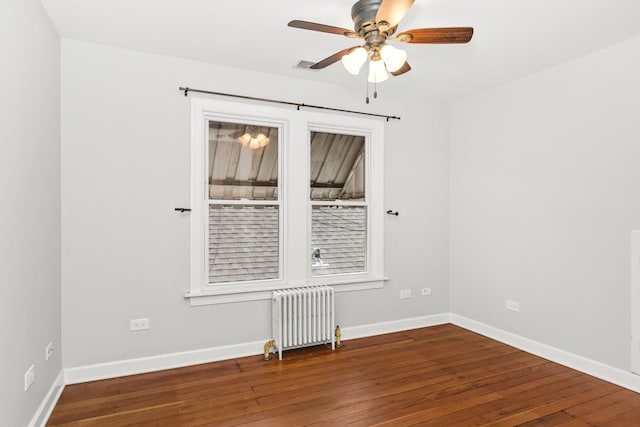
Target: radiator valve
x,y
267,348
338,337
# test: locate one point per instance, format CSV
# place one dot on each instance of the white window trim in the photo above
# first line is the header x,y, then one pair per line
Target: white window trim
x,y
294,130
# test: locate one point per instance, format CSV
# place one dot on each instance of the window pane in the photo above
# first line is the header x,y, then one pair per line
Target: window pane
x,y
338,239
337,167
243,243
243,162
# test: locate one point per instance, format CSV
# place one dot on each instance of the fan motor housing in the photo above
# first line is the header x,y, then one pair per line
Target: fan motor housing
x,y
364,14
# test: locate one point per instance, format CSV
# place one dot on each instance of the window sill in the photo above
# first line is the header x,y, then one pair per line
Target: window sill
x,y
229,294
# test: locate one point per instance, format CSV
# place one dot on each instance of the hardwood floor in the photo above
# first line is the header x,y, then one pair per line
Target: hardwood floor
x,y
438,376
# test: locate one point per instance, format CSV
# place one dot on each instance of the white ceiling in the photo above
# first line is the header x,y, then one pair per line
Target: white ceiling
x,y
512,38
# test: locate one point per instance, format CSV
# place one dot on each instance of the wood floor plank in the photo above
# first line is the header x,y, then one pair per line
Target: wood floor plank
x,y
484,413
438,376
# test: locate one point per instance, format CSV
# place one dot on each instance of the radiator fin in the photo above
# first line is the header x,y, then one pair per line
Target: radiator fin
x,y
302,317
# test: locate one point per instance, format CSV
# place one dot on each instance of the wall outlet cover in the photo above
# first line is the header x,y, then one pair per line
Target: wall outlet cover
x,y
513,305
29,377
139,324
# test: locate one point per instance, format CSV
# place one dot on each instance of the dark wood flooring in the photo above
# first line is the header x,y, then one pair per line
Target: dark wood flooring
x,y
438,376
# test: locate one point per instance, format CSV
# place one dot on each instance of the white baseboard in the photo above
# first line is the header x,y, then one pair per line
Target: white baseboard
x,y
635,301
635,355
373,329
142,365
590,367
45,409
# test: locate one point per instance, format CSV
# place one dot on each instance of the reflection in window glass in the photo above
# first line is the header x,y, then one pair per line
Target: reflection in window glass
x,y
244,207
243,162
337,167
338,239
243,243
338,233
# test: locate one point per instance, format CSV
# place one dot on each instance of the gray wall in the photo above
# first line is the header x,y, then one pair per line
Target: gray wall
x,y
545,190
30,213
543,186
126,166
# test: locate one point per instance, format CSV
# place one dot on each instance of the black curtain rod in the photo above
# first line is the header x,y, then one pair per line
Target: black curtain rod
x,y
275,101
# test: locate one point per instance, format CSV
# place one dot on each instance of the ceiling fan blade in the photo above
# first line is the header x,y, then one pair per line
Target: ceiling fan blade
x,y
437,35
305,25
331,59
392,11
405,67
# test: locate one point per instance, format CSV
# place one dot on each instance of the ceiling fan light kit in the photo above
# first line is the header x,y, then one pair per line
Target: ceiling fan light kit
x,y
375,21
354,61
393,58
253,142
377,72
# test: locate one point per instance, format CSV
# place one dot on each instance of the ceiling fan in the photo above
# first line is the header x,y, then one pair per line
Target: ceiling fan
x,y
376,21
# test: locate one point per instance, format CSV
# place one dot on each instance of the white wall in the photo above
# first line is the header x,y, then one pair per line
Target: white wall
x,y
30,213
126,167
545,190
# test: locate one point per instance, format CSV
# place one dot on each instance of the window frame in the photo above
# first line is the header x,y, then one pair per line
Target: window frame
x,y
294,130
243,202
340,130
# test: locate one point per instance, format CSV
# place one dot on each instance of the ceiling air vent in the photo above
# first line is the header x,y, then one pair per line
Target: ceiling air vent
x,y
305,65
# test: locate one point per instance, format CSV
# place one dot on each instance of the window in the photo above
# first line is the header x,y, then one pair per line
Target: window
x,y
244,206
282,198
338,204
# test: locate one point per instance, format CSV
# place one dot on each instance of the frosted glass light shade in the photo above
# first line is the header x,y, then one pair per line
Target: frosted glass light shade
x,y
377,72
245,139
393,58
260,140
354,60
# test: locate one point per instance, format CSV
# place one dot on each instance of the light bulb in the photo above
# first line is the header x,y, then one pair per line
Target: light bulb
x,y
377,72
245,139
262,139
393,58
354,60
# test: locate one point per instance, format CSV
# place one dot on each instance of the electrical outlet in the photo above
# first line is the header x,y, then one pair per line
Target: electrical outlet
x,y
29,377
139,324
48,352
426,291
513,306
405,293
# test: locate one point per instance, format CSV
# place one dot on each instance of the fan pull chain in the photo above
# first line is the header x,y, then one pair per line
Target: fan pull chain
x,y
367,98
375,91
